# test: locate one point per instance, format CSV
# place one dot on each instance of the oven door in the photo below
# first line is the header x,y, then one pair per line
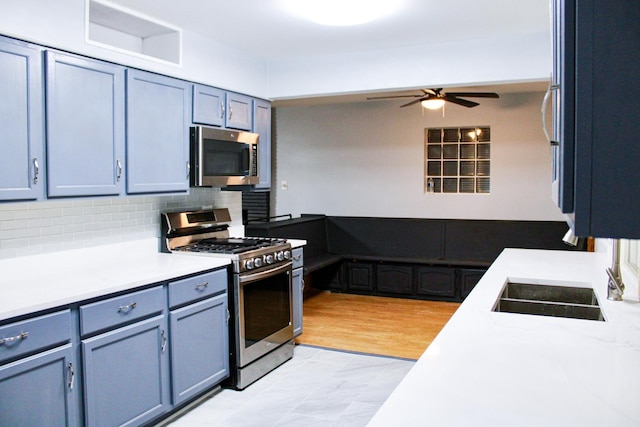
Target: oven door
x,y
264,312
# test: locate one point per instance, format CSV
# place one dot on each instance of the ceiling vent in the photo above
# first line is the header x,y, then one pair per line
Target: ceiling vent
x,y
127,31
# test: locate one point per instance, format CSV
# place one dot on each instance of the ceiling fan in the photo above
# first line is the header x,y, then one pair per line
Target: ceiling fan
x,y
435,98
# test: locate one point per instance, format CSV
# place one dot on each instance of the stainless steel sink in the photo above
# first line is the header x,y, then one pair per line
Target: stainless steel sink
x,y
549,300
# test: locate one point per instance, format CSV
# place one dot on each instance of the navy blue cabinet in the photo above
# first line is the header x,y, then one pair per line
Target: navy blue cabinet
x,y
158,111
21,139
85,126
596,62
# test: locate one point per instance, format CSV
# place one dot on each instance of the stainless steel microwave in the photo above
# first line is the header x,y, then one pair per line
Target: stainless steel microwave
x,y
221,157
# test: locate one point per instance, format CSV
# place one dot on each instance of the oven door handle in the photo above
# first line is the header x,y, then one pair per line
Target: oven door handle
x,y
248,278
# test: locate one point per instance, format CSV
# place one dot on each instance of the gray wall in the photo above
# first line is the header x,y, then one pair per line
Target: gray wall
x,y
367,159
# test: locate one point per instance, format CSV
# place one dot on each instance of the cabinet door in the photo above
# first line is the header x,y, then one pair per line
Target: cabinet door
x,y
85,126
157,133
199,347
126,374
208,105
607,107
436,281
359,276
21,137
40,390
396,279
563,95
262,126
239,111
297,282
469,278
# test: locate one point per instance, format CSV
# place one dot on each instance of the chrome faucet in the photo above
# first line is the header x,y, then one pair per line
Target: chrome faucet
x,y
615,287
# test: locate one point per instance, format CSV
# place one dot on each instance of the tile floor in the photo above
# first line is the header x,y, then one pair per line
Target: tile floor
x,y
318,387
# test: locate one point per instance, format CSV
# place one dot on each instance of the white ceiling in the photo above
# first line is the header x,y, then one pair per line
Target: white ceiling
x,y
264,29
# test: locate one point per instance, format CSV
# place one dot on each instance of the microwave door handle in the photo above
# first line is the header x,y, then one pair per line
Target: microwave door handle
x,y
247,160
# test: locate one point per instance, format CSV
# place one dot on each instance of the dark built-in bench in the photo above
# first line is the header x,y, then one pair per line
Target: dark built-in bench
x,y
415,258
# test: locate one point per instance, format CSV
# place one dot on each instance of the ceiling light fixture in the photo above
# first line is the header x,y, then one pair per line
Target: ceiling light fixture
x,y
432,104
341,12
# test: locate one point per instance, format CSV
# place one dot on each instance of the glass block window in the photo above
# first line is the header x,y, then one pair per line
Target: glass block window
x,y
457,160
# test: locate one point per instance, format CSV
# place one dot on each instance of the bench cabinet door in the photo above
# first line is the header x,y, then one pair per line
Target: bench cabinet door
x,y
436,281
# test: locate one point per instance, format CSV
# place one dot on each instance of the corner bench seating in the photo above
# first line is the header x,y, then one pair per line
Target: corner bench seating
x,y
463,245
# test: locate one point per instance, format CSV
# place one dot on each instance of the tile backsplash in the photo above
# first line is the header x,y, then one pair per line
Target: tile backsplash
x,y
53,225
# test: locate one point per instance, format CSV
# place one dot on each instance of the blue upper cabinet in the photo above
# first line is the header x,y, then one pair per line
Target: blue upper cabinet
x,y
597,60
157,133
21,135
262,126
239,111
208,105
85,126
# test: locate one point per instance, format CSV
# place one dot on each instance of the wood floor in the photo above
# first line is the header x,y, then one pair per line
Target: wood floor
x,y
377,325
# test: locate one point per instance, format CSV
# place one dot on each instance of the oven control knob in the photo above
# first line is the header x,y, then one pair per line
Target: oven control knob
x,y
257,262
287,254
269,259
280,256
249,264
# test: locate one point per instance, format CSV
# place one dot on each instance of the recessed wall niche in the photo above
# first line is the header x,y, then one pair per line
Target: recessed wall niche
x,y
124,30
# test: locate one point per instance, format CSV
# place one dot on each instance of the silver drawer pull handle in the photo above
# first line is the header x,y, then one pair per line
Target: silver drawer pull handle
x,y
72,376
16,338
36,170
297,257
127,307
202,286
164,341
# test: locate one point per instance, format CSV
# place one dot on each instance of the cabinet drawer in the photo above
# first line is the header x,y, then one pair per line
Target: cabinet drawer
x,y
34,334
193,288
297,258
115,311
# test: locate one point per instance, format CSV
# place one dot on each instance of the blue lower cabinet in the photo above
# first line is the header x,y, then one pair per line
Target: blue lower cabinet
x,y
40,390
126,373
199,347
297,282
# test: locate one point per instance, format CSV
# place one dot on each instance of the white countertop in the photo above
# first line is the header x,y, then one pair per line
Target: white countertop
x,y
33,283
504,369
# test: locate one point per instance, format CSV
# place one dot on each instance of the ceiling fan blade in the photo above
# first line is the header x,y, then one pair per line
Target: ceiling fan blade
x,y
463,102
475,94
414,102
395,96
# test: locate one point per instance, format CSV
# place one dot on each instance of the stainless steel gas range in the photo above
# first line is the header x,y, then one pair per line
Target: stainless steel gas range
x,y
260,291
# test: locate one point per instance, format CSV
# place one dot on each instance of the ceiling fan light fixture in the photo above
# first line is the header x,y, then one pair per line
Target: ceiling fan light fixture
x,y
432,104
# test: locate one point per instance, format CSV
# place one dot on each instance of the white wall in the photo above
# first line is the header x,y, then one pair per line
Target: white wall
x,y
521,58
366,159
61,24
